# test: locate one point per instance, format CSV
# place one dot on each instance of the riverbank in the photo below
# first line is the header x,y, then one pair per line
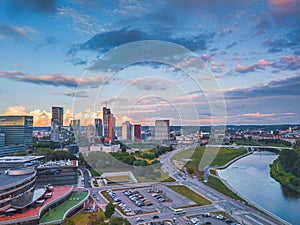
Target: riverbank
x,y
228,190
285,179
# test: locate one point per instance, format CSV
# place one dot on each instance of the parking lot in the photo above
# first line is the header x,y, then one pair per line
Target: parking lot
x,y
211,218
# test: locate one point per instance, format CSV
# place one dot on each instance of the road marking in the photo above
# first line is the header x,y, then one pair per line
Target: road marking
x,y
249,217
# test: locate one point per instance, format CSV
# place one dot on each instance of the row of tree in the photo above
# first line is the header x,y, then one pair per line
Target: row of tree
x,y
290,161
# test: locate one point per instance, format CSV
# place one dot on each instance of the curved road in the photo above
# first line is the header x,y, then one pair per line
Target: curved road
x,y
240,211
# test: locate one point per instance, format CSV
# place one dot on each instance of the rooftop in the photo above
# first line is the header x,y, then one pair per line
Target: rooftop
x,y
59,212
7,178
57,193
19,159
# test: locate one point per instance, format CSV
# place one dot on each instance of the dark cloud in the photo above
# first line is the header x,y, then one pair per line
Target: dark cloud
x,y
108,40
56,80
16,32
79,94
285,12
149,84
39,6
263,26
291,42
289,63
280,87
278,45
49,41
231,45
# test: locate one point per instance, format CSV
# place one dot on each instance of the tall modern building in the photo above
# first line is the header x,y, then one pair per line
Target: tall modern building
x,y
75,126
162,130
107,124
126,131
98,127
15,134
137,132
90,133
56,122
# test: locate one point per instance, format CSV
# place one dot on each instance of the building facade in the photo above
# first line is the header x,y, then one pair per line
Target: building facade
x,y
56,123
107,124
98,127
16,189
15,134
162,130
137,132
126,131
75,126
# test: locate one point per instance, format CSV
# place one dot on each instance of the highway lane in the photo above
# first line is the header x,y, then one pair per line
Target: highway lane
x,y
239,210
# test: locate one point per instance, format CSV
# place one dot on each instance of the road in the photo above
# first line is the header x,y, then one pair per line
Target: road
x,y
240,211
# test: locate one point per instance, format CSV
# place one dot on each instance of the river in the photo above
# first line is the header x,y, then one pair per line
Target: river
x,y
250,176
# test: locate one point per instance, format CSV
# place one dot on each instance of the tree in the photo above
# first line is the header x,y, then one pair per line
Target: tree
x,y
109,210
190,170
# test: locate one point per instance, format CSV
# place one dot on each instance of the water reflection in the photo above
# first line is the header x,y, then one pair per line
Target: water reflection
x,y
250,176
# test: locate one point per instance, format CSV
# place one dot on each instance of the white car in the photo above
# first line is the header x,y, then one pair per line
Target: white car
x,y
139,219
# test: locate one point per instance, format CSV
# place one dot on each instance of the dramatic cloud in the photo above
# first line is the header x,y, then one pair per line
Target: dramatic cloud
x,y
148,84
263,26
44,6
40,117
280,87
16,32
278,45
289,63
108,40
258,115
56,80
81,22
285,9
79,94
260,65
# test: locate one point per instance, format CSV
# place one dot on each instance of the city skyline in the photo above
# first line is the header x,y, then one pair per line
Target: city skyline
x,y
251,49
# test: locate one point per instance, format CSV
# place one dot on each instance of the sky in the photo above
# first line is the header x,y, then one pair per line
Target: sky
x,y
196,62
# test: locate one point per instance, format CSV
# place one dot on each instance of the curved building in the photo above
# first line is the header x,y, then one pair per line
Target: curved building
x,y
17,187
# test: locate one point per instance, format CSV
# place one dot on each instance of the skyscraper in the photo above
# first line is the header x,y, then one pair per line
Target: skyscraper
x,y
126,131
56,122
98,127
107,124
90,133
162,130
16,134
137,132
75,126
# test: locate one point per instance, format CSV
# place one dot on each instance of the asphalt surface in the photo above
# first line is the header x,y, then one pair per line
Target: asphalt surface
x,y
241,212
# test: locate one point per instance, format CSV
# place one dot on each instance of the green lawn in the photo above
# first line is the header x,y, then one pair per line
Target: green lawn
x,y
244,142
284,178
58,212
223,156
190,194
216,184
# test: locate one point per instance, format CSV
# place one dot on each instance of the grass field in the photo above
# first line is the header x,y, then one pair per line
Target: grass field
x,y
118,178
224,155
190,194
59,212
216,184
85,218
